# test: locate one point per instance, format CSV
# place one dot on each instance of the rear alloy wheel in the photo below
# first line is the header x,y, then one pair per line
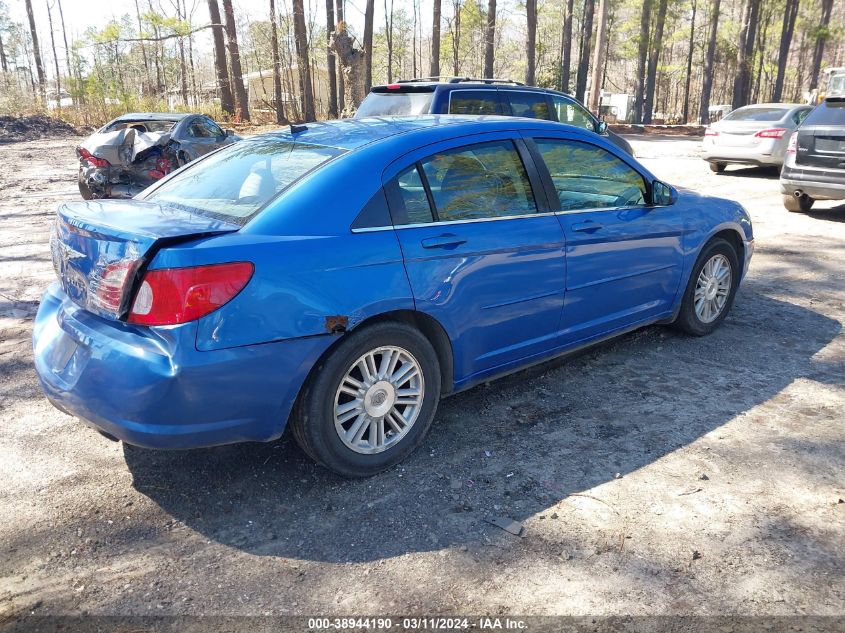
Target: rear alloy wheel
x,y
718,167
799,204
711,289
371,402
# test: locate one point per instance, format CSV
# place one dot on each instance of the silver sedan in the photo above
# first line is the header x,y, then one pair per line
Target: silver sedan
x,y
752,135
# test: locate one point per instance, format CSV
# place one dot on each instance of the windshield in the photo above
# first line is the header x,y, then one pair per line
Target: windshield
x,y
830,112
756,114
394,104
236,182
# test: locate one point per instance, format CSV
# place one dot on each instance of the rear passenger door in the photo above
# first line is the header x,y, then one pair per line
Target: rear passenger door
x,y
624,256
483,253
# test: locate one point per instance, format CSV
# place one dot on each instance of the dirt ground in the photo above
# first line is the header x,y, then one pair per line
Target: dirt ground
x,y
658,474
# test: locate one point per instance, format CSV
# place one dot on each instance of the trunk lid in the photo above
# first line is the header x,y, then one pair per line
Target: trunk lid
x,y
741,133
100,247
821,146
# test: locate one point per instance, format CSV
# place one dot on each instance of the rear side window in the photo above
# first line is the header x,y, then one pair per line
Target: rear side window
x,y
829,112
394,104
532,105
408,198
475,102
756,114
571,113
799,115
588,177
236,182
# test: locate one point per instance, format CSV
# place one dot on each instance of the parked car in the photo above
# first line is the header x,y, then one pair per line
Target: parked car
x,y
341,277
464,95
130,153
815,160
752,135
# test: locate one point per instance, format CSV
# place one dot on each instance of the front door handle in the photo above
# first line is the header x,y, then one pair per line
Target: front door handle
x,y
588,226
447,240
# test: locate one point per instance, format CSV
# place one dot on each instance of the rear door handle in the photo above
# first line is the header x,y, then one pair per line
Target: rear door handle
x,y
588,226
447,240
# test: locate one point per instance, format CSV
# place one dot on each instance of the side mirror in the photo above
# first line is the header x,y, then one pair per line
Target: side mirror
x,y
662,194
227,133
601,127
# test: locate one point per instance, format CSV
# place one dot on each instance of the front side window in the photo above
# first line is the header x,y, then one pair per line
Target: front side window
x,y
572,113
236,182
532,105
474,102
588,177
486,180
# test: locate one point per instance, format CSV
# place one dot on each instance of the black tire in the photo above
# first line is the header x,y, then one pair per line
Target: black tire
x,y
718,167
687,320
802,204
313,423
84,189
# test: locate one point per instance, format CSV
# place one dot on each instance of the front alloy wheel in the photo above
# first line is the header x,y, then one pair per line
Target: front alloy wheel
x,y
710,292
713,288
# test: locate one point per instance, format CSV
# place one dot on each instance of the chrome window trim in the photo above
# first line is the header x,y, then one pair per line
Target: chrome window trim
x,y
371,229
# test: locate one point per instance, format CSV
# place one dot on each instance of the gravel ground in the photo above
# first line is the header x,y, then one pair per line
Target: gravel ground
x,y
655,475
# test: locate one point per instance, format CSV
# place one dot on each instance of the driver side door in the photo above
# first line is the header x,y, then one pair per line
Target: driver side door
x,y
624,256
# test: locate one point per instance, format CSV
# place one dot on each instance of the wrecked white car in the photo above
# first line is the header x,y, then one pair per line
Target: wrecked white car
x,y
133,151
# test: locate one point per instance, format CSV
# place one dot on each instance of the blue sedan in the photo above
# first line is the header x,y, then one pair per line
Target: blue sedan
x,y
342,277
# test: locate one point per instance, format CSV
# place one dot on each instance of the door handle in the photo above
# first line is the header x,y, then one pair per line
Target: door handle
x,y
447,240
587,226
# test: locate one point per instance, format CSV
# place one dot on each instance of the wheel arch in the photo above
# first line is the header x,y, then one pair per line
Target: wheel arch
x,y
734,238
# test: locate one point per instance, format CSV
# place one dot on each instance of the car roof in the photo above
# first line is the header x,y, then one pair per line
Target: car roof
x,y
474,84
351,134
153,116
780,106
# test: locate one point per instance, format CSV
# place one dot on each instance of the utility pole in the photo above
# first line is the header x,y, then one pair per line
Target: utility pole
x,y
601,40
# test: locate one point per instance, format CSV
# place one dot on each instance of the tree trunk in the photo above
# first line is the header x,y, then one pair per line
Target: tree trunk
x,y
531,41
414,39
368,45
601,39
818,51
36,51
220,65
653,59
303,66
341,90
435,40
55,58
159,77
747,35
456,37
642,61
388,33
183,65
143,49
330,61
584,53
707,82
235,60
566,46
277,66
352,67
783,51
3,64
490,39
689,62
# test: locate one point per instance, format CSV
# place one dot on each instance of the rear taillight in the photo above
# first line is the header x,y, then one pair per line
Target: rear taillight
x,y
711,132
177,295
774,132
85,155
107,287
793,143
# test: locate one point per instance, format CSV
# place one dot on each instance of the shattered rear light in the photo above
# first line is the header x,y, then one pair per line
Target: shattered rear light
x,y
177,295
108,287
84,154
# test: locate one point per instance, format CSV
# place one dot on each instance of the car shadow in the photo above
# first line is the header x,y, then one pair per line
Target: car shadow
x,y
769,173
513,448
833,214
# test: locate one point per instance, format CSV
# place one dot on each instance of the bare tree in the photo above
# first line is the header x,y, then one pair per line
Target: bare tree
x,y
689,62
566,46
821,37
531,41
584,53
435,39
330,61
183,65
277,66
388,33
4,66
601,39
55,57
783,52
302,61
747,34
143,47
489,38
368,45
455,27
235,59
341,89
642,61
351,62
653,58
36,51
221,68
707,80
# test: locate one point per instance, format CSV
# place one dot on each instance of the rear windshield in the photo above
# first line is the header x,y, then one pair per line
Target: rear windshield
x,y
831,112
236,182
143,126
756,114
394,104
